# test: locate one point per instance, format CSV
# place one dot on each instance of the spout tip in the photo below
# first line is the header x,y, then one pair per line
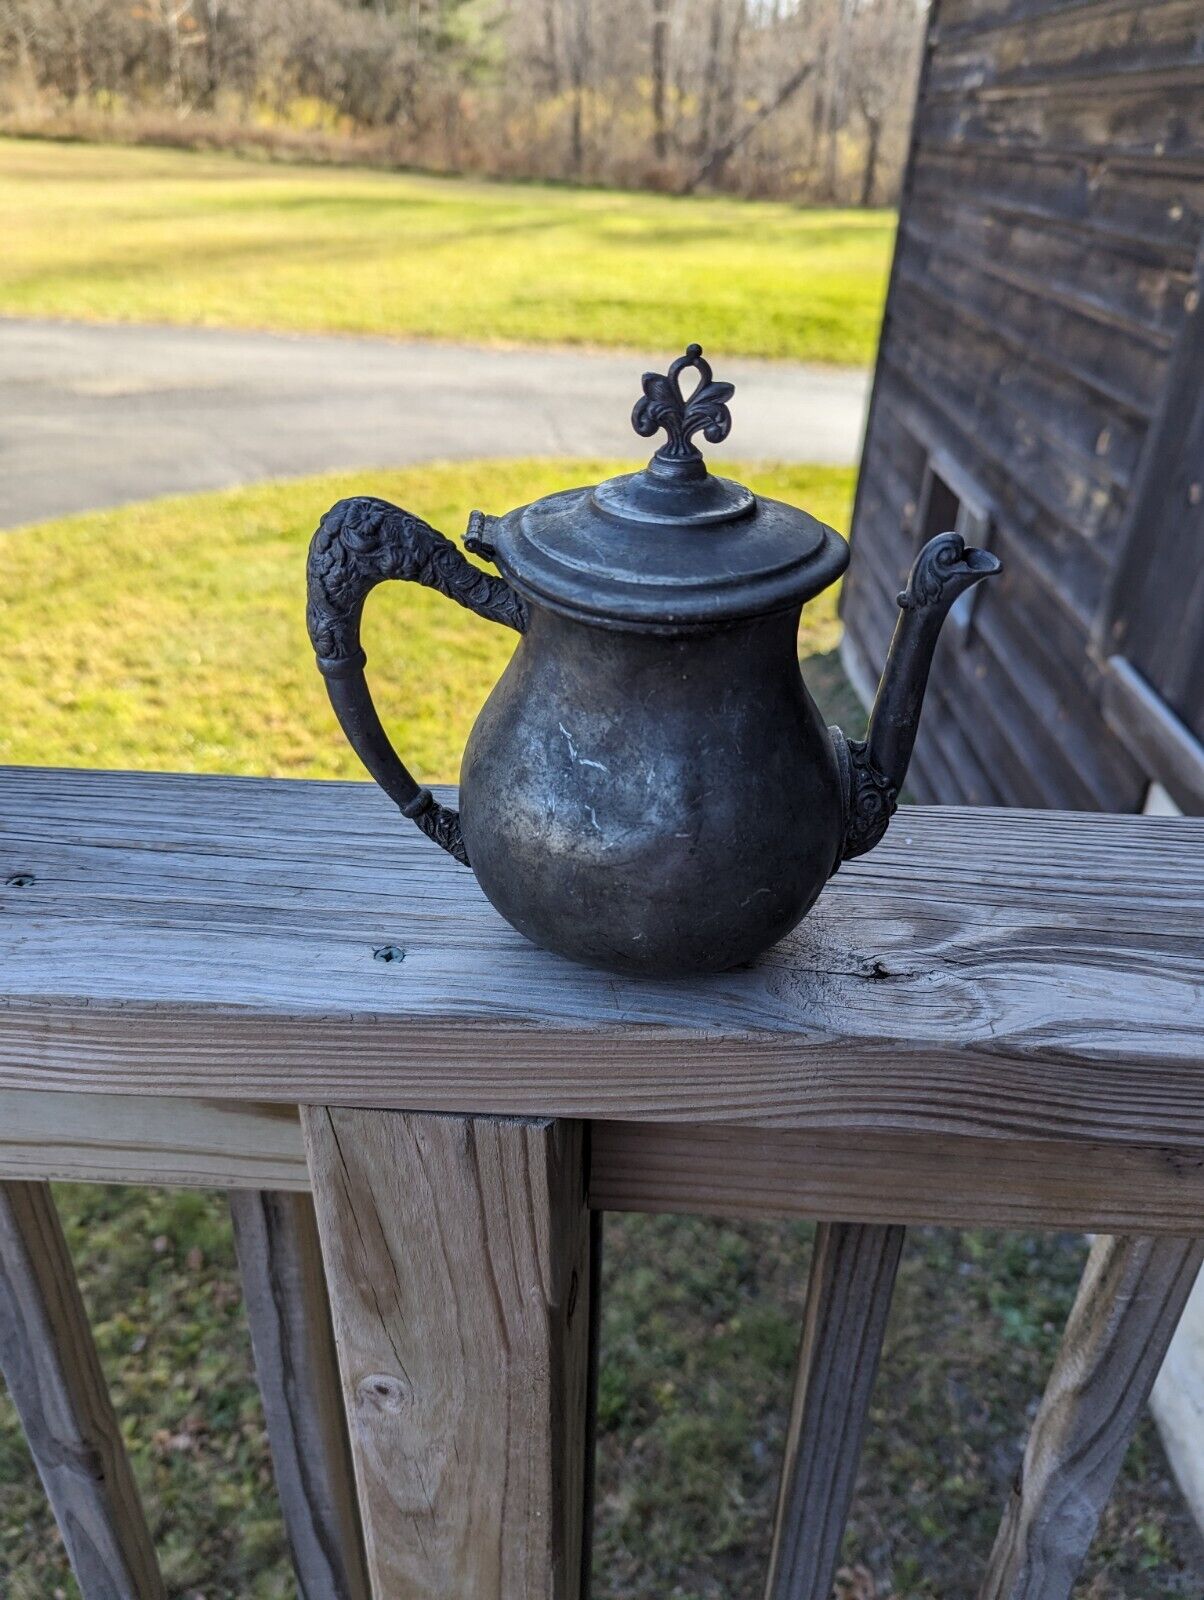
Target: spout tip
x,y
981,562
944,569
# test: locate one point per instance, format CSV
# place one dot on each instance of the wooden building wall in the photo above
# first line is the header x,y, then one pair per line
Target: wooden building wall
x,y
1046,277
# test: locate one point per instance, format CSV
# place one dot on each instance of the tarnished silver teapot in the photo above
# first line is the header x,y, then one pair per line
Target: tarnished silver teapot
x,y
649,787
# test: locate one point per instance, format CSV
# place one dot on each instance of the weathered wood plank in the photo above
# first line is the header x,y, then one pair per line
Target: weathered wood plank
x,y
1031,747
1125,368
1124,1317
994,252
1030,751
701,1169
982,974
962,17
882,1177
1167,749
193,1144
984,720
848,1299
457,1251
1127,285
284,1292
1001,301
1149,204
1154,613
1147,115
1037,509
1099,40
1177,1402
965,749
54,1379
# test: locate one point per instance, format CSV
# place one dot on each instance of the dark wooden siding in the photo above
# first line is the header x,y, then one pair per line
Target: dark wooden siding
x,y
1155,617
1046,261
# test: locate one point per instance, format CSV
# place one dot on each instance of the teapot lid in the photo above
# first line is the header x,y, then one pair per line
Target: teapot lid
x,y
671,546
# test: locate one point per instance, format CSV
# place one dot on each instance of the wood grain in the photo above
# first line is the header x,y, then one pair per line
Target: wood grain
x,y
1130,204
848,1299
1124,1317
947,1181
1088,41
1153,614
1166,748
705,1169
54,1378
982,975
101,1138
457,1252
284,1292
1044,273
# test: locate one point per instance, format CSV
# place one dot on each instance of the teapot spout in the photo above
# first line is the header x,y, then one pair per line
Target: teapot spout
x,y
873,772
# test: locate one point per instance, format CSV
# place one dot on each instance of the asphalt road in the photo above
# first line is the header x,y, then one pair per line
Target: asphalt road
x,y
94,416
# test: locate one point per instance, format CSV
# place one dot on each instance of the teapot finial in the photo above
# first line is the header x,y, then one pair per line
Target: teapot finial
x,y
663,405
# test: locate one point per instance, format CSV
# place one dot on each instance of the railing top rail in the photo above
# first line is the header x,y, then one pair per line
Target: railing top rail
x,y
984,974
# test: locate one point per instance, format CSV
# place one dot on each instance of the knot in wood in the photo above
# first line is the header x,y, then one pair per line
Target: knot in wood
x,y
383,1392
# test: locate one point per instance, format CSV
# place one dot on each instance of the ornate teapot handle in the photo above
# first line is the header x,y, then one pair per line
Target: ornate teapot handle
x,y
360,543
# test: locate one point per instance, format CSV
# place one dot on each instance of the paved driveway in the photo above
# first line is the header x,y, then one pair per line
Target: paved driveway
x,y
94,416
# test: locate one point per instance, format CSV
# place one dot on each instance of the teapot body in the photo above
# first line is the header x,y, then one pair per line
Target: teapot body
x,y
650,787
649,801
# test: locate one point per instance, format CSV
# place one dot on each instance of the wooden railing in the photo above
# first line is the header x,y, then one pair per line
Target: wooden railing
x,y
997,1017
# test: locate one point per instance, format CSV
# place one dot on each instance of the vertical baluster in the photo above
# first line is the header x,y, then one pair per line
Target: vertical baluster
x,y
848,1299
284,1290
53,1374
1124,1316
457,1254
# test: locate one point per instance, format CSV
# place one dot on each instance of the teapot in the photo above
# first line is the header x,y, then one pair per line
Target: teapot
x,y
649,787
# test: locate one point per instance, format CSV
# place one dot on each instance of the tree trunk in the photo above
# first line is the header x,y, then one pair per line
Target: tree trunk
x,y
715,163
74,30
731,79
708,106
579,65
837,98
171,15
660,53
213,51
551,48
869,177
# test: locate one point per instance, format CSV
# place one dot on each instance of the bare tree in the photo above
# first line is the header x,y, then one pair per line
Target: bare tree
x,y
806,100
72,19
660,72
869,103
713,166
551,47
580,61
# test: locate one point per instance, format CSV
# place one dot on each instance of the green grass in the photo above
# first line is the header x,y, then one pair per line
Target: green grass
x,y
121,234
170,635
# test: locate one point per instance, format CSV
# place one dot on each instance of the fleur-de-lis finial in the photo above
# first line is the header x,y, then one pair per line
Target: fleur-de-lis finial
x,y
664,406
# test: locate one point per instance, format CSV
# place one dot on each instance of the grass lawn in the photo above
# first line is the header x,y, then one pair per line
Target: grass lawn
x,y
171,635
120,234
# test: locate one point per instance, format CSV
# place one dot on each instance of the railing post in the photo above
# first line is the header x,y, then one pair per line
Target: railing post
x,y
1129,1302
53,1374
457,1255
853,1269
284,1292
